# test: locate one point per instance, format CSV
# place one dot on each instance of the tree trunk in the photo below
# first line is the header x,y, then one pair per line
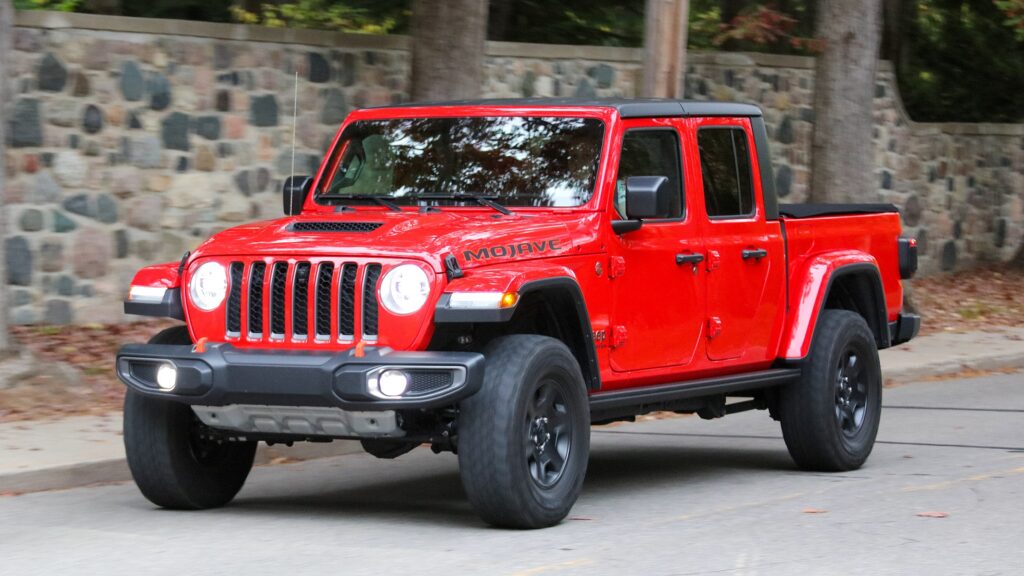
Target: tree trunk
x,y
449,39
665,30
844,87
6,57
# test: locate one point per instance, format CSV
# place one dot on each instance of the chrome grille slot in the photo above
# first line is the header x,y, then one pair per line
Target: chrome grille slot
x,y
347,302
257,273
278,280
234,312
300,302
324,281
370,310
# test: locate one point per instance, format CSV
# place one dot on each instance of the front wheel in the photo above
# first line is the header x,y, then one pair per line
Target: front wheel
x,y
830,416
524,438
174,464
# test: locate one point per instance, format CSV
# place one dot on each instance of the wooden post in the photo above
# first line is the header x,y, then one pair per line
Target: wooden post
x,y
665,30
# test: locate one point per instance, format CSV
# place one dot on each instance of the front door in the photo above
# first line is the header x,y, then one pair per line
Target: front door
x,y
658,305
745,260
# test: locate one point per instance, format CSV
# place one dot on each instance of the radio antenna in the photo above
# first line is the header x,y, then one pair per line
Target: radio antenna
x,y
295,121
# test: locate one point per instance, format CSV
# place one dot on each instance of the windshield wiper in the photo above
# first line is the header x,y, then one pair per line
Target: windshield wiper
x,y
381,200
481,200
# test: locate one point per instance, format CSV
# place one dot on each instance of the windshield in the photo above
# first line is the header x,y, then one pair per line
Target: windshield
x,y
515,161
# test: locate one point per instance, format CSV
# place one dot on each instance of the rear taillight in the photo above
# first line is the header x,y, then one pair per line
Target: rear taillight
x,y
908,257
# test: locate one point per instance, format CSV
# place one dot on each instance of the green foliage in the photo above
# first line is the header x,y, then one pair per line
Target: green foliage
x,y
1014,10
204,10
961,63
761,27
55,5
603,22
352,16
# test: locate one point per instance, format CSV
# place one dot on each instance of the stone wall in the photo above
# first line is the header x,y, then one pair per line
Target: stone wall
x,y
133,140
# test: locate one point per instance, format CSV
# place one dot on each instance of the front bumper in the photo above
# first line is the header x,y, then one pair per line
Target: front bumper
x,y
224,375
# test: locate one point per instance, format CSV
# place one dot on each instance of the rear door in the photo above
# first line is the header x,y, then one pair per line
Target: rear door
x,y
745,262
658,305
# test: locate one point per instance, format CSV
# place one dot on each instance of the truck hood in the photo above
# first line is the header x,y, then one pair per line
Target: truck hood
x,y
475,238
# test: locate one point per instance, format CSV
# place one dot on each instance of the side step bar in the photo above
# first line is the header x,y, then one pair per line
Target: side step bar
x,y
663,396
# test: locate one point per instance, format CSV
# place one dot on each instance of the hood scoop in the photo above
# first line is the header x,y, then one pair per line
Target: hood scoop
x,y
333,226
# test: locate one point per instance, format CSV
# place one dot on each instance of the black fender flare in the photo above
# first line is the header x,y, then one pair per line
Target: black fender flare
x,y
587,356
877,319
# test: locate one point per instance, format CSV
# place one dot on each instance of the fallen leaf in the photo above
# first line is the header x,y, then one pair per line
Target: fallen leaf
x,y
814,511
933,514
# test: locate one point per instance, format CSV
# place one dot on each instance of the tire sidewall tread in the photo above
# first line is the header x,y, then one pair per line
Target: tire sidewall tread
x,y
156,440
812,434
491,461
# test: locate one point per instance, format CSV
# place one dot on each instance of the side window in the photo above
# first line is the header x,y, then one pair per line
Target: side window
x,y
725,165
650,153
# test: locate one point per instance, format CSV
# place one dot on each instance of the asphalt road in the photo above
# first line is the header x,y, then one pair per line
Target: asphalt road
x,y
676,496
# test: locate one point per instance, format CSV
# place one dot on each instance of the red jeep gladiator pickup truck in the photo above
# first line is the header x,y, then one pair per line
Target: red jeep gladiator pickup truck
x,y
494,277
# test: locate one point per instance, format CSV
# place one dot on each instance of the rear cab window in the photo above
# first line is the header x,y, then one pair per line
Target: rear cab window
x,y
726,172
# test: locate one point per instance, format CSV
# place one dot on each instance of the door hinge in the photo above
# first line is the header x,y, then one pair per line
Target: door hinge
x,y
616,267
618,336
714,327
714,259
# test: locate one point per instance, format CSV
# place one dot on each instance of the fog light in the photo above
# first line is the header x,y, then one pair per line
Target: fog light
x,y
166,377
392,382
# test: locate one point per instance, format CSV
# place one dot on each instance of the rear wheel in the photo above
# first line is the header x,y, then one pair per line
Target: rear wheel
x,y
830,416
524,438
172,458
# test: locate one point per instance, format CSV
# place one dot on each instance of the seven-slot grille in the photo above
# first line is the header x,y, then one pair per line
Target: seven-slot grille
x,y
299,301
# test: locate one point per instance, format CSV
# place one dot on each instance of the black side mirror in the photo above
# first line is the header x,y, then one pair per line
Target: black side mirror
x,y
646,197
296,188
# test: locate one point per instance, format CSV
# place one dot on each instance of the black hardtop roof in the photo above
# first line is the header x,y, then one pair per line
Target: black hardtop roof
x,y
627,107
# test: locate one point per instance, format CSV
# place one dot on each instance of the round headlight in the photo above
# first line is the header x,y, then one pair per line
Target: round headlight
x,y
404,289
208,286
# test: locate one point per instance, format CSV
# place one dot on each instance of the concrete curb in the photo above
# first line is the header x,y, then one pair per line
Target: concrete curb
x,y
951,367
116,469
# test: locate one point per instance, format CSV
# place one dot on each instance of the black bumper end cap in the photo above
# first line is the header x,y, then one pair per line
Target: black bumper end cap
x,y
905,328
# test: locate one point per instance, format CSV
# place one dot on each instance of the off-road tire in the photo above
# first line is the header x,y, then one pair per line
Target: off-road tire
x,y
508,476
172,468
812,411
